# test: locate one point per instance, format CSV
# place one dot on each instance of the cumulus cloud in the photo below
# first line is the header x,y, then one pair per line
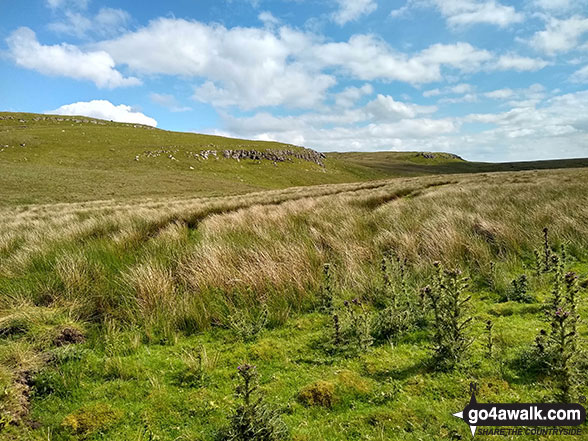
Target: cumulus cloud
x,y
368,58
274,66
104,109
268,19
557,127
245,67
385,107
469,12
560,36
65,60
351,10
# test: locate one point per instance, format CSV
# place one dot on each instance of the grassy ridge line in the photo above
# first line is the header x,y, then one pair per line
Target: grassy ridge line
x,y
413,164
56,160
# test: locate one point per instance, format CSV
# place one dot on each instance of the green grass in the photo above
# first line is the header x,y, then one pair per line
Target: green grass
x,y
143,284
60,158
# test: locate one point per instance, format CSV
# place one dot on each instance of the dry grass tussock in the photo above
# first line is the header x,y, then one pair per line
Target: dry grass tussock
x,y
186,261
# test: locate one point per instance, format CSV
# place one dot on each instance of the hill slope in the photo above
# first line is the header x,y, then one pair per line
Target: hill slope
x,y
48,159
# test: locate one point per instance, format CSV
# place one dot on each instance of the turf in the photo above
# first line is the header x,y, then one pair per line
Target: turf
x,y
48,159
130,291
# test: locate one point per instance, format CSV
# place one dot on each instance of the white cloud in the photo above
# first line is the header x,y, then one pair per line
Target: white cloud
x,y
351,10
168,101
246,67
556,127
368,58
560,35
385,107
462,56
106,23
469,12
268,19
400,12
65,60
349,96
273,66
518,63
104,109
580,76
500,94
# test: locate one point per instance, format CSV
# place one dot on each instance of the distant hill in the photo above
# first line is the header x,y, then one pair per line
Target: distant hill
x,y
419,163
54,158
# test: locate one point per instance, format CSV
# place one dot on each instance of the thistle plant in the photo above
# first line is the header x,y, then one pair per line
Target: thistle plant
x,y
403,310
449,306
357,325
252,420
519,291
560,345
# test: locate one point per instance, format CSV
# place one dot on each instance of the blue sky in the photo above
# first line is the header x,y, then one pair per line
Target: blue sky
x,y
488,80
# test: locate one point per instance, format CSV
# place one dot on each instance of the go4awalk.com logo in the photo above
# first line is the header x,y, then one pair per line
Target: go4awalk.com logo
x,y
524,418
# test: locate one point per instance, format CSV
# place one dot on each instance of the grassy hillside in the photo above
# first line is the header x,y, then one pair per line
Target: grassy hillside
x,y
47,159
61,159
126,320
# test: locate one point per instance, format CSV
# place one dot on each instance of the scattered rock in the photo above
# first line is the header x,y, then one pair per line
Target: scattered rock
x,y
429,155
273,155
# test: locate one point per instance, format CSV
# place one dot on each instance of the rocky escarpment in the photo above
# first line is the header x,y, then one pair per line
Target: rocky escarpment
x,y
287,154
429,155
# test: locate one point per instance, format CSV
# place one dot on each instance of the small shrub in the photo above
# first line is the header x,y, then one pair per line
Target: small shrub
x,y
252,420
320,393
449,306
519,291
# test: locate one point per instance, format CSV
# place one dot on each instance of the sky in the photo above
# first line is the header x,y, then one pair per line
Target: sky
x,y
488,80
